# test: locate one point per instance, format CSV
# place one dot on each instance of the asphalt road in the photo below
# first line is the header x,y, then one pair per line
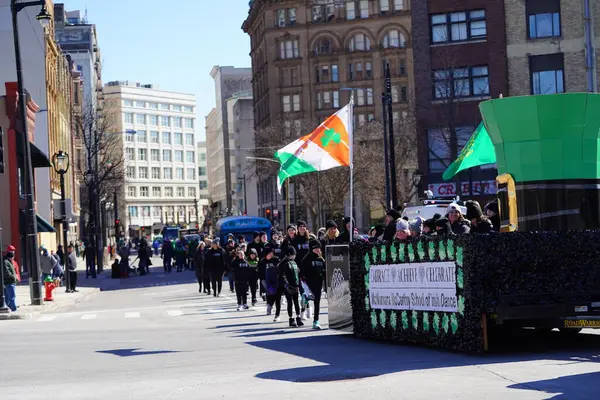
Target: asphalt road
x,y
170,342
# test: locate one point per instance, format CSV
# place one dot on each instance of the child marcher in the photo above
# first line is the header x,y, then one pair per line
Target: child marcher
x,y
241,273
291,278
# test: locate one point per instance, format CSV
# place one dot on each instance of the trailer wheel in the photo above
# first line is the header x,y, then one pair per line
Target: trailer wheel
x,y
569,332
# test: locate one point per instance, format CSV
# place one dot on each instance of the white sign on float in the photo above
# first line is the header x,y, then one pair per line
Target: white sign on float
x,y
418,286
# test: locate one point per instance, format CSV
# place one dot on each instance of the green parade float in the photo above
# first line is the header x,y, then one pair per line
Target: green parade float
x,y
542,271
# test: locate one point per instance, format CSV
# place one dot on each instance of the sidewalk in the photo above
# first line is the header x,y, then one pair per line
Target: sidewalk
x,y
61,299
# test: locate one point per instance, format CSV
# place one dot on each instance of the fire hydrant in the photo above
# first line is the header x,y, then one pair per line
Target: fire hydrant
x,y
49,286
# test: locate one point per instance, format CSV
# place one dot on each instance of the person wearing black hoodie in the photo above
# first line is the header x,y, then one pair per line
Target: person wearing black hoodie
x,y
214,260
389,232
270,280
345,235
252,260
259,242
199,264
290,274
312,271
429,225
241,274
479,222
492,212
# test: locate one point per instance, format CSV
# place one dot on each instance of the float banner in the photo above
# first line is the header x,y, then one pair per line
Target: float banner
x,y
414,286
337,261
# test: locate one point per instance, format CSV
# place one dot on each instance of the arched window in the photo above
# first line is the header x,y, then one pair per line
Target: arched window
x,y
324,46
360,42
394,39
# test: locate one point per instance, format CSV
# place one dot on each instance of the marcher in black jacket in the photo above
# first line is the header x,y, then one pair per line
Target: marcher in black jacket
x,y
199,264
389,232
241,274
290,274
214,260
312,271
144,253
270,280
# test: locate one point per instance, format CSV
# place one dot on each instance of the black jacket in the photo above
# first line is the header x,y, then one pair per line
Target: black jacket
x,y
199,262
312,270
276,249
241,270
257,246
215,260
389,232
484,225
264,264
290,275
300,243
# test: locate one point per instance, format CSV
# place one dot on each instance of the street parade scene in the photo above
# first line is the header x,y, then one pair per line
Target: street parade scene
x,y
354,199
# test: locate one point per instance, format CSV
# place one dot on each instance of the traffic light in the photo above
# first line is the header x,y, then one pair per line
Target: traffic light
x,y
268,213
1,151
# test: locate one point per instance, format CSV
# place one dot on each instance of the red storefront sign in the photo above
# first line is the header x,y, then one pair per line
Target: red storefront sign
x,y
448,189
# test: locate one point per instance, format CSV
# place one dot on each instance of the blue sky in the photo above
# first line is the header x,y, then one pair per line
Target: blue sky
x,y
144,41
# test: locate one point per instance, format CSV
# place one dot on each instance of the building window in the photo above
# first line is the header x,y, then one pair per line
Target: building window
x,y
440,146
547,73
141,136
133,211
177,122
201,171
156,192
128,118
356,8
139,104
155,155
190,157
127,103
394,39
131,191
543,18
286,17
144,191
168,192
181,193
291,103
188,123
164,106
131,172
203,185
189,139
142,155
188,109
155,173
178,156
154,138
178,138
153,120
292,127
191,192
143,172
153,106
361,119
360,42
328,73
458,27
323,13
399,94
289,77
363,97
177,107
328,99
461,82
130,154
130,137
179,174
140,119
289,49
167,173
164,121
167,155
157,210
166,136
358,71
323,46
191,174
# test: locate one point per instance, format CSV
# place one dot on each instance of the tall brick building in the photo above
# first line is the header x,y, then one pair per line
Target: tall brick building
x,y
547,46
460,60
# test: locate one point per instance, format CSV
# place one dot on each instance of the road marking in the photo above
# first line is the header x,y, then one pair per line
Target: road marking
x,y
174,313
132,315
88,316
47,318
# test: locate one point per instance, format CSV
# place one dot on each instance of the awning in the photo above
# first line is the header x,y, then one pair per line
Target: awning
x,y
38,158
43,225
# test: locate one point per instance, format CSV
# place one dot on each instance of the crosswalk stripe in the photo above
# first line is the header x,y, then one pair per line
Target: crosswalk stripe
x,y
88,316
175,313
132,315
46,318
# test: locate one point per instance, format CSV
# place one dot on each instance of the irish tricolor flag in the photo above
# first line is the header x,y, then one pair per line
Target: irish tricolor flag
x,y
326,147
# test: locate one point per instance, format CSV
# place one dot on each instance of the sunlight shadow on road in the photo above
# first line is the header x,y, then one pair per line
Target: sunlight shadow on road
x,y
135,352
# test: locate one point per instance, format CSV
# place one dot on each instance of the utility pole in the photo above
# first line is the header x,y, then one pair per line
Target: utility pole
x,y
386,153
392,158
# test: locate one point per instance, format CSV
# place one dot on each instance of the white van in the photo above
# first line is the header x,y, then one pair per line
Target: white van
x,y
429,208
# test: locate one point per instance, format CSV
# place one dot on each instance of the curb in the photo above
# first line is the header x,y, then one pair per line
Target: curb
x,y
44,309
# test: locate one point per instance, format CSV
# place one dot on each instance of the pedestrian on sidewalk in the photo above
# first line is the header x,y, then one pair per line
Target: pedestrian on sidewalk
x,y
47,263
90,260
214,260
167,255
11,278
144,254
271,281
72,270
241,274
199,265
312,271
124,264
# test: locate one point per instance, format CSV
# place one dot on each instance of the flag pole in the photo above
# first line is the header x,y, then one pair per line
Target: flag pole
x,y
351,150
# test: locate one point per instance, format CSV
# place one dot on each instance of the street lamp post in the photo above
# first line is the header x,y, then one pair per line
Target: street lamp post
x,y
60,161
31,252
